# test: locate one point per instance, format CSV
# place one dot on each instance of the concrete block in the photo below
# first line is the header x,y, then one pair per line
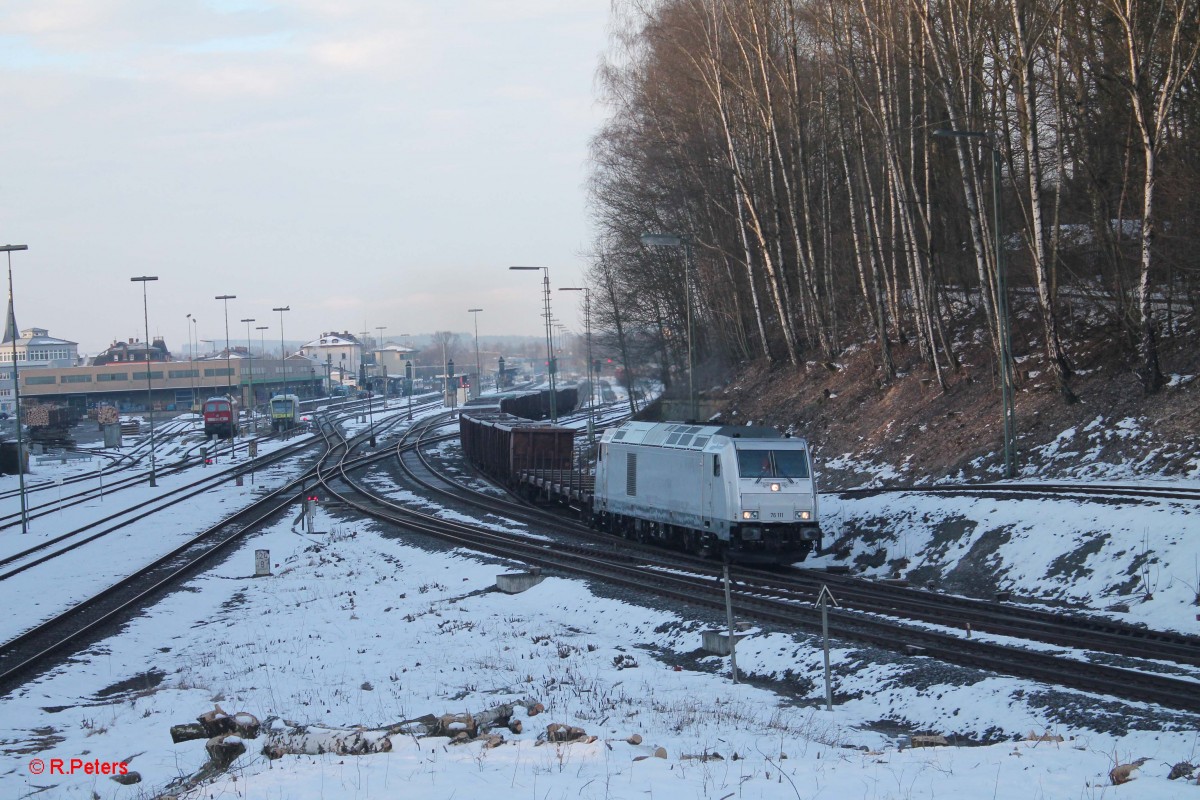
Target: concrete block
x,y
717,642
517,582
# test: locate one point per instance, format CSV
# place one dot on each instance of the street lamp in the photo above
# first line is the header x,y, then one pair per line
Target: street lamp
x,y
143,280
9,248
380,363
228,364
1006,376
262,347
366,384
192,359
408,379
478,367
685,240
587,326
250,355
550,365
282,351
234,423
408,370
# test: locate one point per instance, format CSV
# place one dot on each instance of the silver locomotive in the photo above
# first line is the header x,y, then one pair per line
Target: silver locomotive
x,y
746,492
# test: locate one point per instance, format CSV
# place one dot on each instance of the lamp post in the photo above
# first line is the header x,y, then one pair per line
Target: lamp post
x,y
9,248
1006,376
228,364
250,355
192,359
408,379
550,365
685,240
587,326
235,422
380,363
478,367
282,350
262,346
366,384
143,280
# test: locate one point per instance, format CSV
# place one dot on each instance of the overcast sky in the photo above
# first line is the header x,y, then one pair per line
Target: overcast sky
x,y
367,162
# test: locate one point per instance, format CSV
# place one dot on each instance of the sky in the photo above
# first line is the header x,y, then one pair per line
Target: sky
x,y
366,162
359,625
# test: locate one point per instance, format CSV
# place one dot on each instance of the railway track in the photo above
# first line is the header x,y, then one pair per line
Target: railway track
x,y
789,600
35,648
1039,490
117,472
980,616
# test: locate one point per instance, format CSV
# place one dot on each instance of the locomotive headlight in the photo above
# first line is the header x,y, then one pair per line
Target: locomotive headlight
x,y
775,487
749,515
805,515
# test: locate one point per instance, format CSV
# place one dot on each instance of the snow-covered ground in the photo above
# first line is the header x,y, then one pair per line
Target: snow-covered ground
x,y
359,626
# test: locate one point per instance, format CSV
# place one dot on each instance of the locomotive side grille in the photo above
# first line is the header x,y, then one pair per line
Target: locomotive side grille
x,y
631,474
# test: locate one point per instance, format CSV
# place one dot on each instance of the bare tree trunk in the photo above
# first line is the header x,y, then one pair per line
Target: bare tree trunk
x,y
1153,94
1028,124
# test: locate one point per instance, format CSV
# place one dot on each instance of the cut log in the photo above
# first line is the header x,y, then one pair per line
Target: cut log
x,y
281,740
216,722
223,750
188,732
557,732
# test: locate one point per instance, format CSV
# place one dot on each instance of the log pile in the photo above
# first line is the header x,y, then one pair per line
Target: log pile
x,y
227,734
107,415
45,415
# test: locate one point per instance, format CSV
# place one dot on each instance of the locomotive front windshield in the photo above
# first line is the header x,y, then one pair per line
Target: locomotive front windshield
x,y
772,463
281,406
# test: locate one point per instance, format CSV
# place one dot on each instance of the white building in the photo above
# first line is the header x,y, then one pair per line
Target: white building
x,y
34,348
340,353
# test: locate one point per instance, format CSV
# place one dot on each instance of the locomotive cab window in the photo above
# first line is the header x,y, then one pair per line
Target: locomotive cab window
x,y
773,463
716,466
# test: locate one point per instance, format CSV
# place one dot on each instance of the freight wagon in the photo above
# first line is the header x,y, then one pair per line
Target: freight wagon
x,y
503,446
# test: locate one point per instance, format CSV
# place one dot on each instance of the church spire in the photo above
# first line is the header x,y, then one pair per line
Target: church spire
x,y
10,324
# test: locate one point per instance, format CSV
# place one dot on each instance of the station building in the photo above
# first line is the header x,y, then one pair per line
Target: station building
x,y
171,385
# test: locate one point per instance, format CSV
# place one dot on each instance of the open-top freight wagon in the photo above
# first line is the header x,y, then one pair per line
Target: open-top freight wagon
x,y
503,445
530,404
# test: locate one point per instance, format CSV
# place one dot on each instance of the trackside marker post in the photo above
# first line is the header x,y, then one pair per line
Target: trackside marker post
x,y
729,620
823,600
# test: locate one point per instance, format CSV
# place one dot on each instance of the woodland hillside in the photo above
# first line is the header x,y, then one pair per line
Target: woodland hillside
x,y
900,197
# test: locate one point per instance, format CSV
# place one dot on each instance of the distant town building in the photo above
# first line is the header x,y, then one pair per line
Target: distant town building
x,y
34,348
133,350
339,353
391,358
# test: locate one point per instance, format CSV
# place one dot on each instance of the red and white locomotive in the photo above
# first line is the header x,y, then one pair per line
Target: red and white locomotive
x,y
220,417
